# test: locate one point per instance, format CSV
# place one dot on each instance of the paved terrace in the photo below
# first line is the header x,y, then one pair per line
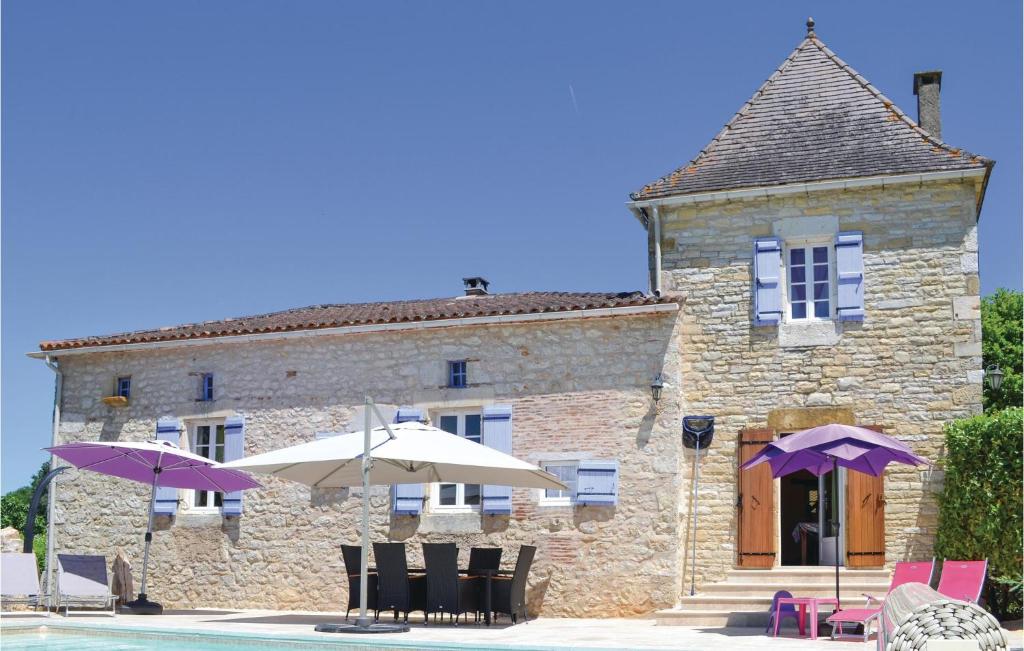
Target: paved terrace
x,y
537,634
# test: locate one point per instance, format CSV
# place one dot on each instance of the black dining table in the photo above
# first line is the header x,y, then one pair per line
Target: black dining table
x,y
487,575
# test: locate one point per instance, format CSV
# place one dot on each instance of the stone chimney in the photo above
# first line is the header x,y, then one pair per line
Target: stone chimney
x,y
927,86
475,286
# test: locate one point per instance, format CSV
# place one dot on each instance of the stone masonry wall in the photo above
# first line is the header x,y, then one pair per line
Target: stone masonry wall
x,y
578,388
911,366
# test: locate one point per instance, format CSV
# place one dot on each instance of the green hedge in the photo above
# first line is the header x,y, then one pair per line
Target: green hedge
x,y
980,509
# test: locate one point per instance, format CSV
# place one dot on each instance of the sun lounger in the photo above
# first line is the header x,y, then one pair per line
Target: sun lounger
x,y
19,582
962,580
912,572
82,582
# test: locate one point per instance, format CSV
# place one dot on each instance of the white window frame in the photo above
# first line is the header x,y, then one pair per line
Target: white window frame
x,y
192,434
809,243
542,494
460,496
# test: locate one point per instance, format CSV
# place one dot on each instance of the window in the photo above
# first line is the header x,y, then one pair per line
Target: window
x,y
458,497
205,387
123,386
208,441
566,473
457,376
809,271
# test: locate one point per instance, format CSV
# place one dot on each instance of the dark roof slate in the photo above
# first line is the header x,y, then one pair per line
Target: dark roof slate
x,y
352,314
814,119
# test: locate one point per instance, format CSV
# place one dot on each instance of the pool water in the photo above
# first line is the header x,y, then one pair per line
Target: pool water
x,y
66,642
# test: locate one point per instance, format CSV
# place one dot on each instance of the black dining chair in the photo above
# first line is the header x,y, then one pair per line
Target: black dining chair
x,y
395,590
447,592
509,593
352,555
482,558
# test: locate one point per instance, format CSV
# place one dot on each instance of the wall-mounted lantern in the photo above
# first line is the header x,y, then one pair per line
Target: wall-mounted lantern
x,y
994,376
656,386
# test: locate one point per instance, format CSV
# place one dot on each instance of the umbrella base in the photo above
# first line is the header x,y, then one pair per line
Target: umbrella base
x,y
367,627
142,606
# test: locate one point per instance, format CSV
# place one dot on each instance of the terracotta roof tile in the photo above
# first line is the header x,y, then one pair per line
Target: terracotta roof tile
x,y
814,119
352,314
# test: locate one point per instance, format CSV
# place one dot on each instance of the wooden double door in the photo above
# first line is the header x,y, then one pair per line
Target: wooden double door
x,y
757,539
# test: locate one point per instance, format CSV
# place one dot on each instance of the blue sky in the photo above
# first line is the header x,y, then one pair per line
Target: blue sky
x,y
174,162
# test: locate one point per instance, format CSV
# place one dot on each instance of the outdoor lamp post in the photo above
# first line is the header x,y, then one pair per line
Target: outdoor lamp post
x,y
994,376
656,386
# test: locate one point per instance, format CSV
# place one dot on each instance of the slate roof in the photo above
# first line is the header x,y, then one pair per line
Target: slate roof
x,y
815,119
332,316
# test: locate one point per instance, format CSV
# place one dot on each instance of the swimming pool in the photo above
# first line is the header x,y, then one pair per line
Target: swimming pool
x,y
74,637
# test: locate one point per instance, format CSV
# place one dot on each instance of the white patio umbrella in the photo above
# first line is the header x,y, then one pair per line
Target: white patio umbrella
x,y
403,453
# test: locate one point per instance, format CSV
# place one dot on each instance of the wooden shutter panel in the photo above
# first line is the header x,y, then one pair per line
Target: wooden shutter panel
x,y
234,448
755,517
597,482
497,434
767,271
865,517
407,499
166,503
850,276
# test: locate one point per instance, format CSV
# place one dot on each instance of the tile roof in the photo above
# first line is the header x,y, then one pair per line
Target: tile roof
x,y
340,315
814,119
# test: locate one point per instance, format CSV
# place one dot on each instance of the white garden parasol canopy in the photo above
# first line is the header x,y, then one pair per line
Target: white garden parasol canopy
x,y
403,453
417,454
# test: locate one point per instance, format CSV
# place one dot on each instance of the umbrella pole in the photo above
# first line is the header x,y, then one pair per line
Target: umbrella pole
x,y
835,521
142,605
364,557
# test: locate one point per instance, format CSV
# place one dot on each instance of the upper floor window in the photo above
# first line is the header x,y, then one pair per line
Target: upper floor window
x,y
458,497
207,440
457,375
123,386
810,276
205,387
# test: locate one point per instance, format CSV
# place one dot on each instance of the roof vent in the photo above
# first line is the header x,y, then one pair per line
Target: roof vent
x,y
927,86
475,286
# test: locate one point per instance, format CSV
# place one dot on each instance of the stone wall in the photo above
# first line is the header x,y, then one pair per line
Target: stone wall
x,y
911,366
579,387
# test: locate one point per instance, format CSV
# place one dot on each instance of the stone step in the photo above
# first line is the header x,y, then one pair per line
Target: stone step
x,y
711,618
754,602
877,588
786,576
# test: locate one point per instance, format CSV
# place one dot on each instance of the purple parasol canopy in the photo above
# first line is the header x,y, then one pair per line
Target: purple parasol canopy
x,y
139,462
819,449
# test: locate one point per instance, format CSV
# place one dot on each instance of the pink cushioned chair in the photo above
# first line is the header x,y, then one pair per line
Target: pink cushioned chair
x,y
906,572
963,580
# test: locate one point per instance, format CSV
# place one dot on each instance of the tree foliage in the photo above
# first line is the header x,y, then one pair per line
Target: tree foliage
x,y
1002,325
14,511
980,509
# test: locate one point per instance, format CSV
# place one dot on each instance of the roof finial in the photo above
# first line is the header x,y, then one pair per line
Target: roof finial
x,y
810,26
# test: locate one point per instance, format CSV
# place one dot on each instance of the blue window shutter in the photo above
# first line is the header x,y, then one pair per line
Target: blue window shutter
x,y
497,434
597,482
407,499
767,290
234,448
166,503
850,276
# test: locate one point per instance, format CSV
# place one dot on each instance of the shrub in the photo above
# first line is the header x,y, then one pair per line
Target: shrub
x,y
980,509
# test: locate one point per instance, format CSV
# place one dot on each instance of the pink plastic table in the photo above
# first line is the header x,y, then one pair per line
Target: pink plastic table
x,y
805,604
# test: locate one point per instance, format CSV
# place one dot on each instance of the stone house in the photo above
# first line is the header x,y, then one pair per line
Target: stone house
x,y
817,262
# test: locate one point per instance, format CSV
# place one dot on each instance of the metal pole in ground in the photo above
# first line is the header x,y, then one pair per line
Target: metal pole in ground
x,y
693,547
364,554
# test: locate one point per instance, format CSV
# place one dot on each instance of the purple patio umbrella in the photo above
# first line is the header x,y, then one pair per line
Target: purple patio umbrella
x,y
829,447
157,463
